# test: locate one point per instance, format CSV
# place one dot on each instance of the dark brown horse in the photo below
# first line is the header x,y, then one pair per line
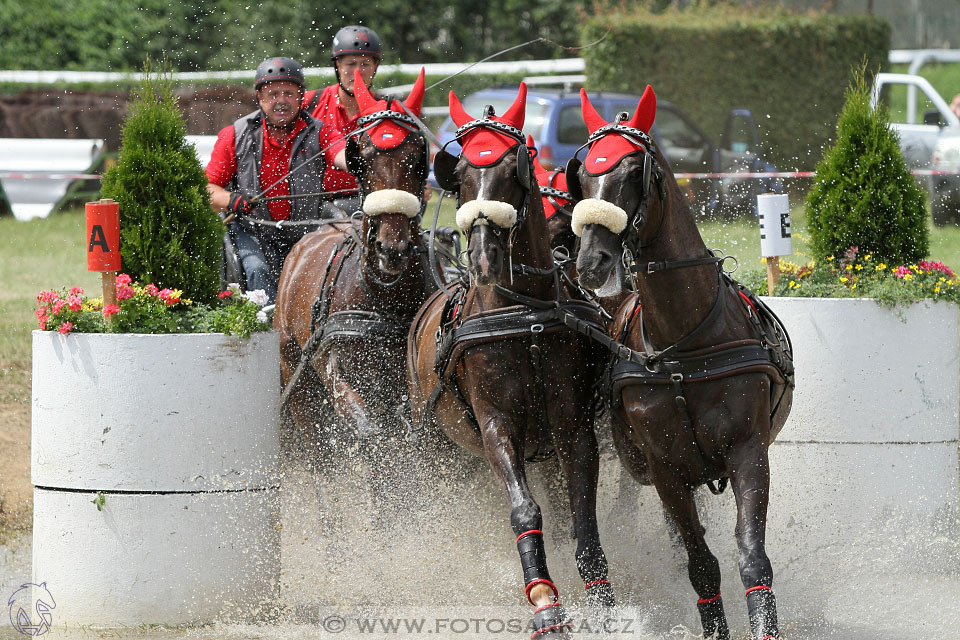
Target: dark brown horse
x,y
494,367
704,382
349,291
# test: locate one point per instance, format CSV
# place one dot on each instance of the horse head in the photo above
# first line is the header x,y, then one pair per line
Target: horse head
x,y
620,188
493,179
389,159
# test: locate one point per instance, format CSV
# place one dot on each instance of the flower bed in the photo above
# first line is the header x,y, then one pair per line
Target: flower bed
x,y
147,309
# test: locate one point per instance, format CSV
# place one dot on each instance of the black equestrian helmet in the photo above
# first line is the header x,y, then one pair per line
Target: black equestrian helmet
x,y
278,69
356,40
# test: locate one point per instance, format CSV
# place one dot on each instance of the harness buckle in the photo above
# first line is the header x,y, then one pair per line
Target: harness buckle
x,y
676,377
651,267
536,328
624,352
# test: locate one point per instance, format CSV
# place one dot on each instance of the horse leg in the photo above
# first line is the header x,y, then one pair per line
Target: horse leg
x,y
580,459
702,566
750,480
527,522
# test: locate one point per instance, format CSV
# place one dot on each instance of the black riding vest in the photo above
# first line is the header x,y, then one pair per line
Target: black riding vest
x,y
248,140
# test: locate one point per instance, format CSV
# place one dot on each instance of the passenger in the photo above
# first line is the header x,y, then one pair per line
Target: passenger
x,y
354,47
272,145
955,105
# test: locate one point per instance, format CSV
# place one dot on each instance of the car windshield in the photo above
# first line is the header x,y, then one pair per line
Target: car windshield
x,y
532,124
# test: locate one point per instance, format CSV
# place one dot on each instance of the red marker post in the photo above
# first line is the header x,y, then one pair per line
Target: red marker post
x,y
103,245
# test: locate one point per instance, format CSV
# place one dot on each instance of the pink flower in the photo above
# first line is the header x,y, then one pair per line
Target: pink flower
x,y
77,291
65,327
169,296
110,309
224,294
46,297
900,272
58,306
74,303
936,265
152,289
123,280
124,292
41,313
43,323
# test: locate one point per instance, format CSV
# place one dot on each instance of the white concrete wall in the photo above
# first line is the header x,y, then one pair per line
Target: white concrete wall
x,y
180,434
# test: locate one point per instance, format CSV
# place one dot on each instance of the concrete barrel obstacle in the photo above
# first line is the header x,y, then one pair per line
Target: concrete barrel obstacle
x,y
155,461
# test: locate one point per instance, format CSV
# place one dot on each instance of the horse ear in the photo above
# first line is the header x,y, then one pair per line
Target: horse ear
x,y
590,115
457,113
517,111
360,91
415,100
353,157
445,170
523,166
572,173
646,111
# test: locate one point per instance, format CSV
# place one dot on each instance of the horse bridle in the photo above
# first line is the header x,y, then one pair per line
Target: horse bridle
x,y
365,123
652,172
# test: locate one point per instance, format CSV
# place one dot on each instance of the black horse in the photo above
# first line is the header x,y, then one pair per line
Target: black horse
x,y
494,366
703,378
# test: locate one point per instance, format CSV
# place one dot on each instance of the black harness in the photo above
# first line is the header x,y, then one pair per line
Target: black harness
x,y
528,321
769,351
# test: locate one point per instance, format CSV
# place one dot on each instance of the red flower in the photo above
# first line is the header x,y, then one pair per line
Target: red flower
x,y
224,294
123,280
152,289
65,327
41,313
110,309
124,292
76,291
74,303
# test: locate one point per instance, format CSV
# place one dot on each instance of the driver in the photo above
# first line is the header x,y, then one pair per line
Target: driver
x,y
354,47
277,147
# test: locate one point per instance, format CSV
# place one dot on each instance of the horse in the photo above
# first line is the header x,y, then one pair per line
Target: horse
x,y
349,291
493,367
702,377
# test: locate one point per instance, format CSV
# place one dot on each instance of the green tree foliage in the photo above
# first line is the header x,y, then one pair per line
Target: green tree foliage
x,y
168,234
864,195
221,34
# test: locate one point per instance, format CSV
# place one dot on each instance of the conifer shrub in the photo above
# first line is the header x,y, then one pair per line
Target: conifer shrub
x,y
864,195
169,236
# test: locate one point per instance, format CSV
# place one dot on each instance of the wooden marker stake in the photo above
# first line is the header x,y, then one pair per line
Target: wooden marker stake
x,y
773,273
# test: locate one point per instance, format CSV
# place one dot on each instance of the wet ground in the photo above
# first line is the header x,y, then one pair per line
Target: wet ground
x,y
439,561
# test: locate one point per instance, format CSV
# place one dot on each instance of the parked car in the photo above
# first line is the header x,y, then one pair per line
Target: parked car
x,y
554,120
929,134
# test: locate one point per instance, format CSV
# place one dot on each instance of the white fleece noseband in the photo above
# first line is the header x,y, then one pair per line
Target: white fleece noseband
x,y
480,212
391,201
593,211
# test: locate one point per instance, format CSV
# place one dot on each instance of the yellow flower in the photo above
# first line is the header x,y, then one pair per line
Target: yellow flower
x,y
830,259
844,280
853,287
859,267
936,289
868,257
881,266
908,276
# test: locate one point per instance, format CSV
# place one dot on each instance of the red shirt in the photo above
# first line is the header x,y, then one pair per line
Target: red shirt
x,y
274,162
331,112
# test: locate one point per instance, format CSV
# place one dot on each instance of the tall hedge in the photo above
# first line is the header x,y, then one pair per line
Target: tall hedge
x,y
168,234
789,70
864,195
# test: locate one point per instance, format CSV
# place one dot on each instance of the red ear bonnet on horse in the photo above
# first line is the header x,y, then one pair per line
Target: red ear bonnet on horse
x,y
559,181
386,134
483,146
606,152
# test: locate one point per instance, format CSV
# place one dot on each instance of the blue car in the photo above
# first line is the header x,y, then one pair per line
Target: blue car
x,y
553,119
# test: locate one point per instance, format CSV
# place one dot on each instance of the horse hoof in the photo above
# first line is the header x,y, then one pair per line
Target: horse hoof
x,y
600,594
550,620
762,607
713,619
